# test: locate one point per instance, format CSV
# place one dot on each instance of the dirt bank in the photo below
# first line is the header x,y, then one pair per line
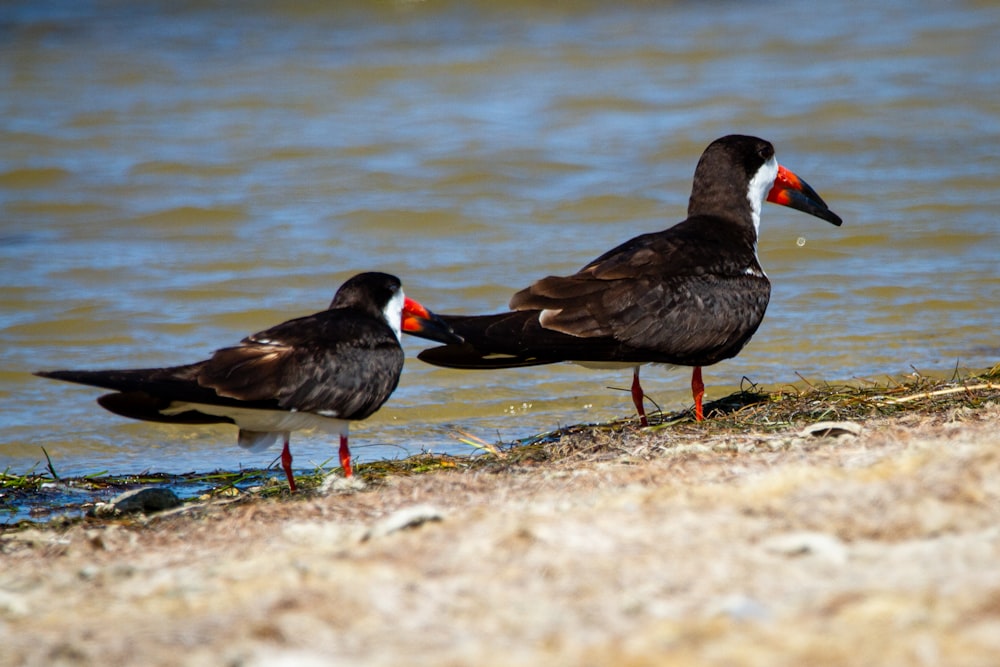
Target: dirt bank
x,y
658,547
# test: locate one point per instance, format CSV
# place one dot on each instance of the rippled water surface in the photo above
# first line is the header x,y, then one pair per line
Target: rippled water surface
x,y
174,176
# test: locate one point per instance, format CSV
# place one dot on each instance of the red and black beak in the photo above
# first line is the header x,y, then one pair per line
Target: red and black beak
x,y
418,321
790,190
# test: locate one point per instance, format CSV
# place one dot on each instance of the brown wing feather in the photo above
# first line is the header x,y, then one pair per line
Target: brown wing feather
x,y
670,292
350,378
248,372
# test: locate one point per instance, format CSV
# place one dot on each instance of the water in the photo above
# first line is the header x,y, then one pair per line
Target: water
x,y
174,176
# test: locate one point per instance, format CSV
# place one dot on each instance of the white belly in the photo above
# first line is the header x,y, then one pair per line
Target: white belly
x,y
265,422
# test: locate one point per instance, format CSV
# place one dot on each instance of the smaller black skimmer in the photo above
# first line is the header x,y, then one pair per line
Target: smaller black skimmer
x,y
691,295
320,371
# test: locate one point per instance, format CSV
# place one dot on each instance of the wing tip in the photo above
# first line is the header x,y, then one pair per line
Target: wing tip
x,y
144,406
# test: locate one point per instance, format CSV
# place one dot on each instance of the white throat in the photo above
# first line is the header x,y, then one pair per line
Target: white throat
x,y
761,184
393,312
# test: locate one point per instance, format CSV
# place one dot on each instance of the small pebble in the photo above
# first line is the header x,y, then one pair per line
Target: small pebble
x,y
806,543
741,608
145,500
334,483
408,517
830,429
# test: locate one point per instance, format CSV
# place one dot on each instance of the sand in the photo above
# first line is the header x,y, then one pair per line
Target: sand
x,y
654,548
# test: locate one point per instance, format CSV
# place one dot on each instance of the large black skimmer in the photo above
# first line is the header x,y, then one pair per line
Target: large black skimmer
x,y
691,295
321,371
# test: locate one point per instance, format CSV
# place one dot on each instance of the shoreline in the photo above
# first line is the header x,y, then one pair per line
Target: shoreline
x,y
686,544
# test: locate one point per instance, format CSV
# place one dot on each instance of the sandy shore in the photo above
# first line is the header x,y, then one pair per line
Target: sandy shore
x,y
661,548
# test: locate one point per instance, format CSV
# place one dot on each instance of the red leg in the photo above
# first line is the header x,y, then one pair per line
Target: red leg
x,y
286,464
345,457
698,391
637,397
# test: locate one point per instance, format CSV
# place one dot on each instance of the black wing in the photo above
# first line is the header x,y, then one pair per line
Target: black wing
x,y
337,362
679,296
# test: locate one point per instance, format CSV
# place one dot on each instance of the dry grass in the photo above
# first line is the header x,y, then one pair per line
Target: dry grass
x,y
738,541
753,411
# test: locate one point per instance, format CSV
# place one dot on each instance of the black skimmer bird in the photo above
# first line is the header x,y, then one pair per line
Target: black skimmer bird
x,y
691,295
321,371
